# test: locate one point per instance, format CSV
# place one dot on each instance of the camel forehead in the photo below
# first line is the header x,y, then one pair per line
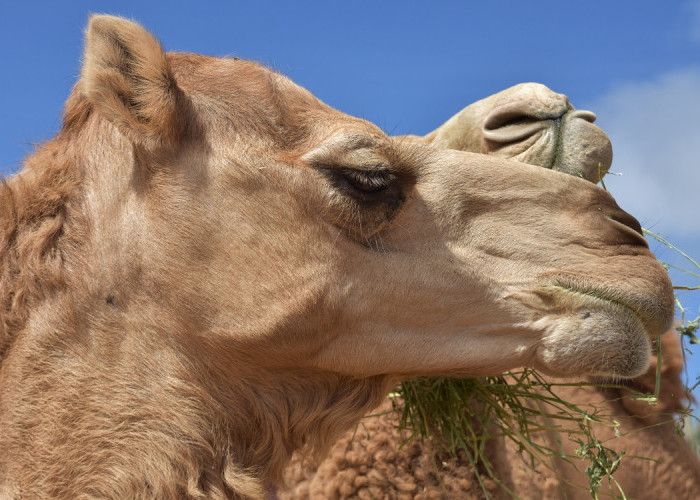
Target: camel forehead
x,y
239,82
215,75
247,115
235,94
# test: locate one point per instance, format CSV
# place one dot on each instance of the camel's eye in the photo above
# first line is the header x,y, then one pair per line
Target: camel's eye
x,y
364,183
367,181
362,199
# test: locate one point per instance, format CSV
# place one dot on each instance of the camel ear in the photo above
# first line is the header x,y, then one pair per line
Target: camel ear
x,y
127,77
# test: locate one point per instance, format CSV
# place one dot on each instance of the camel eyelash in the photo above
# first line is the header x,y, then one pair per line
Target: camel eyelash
x,y
364,182
367,181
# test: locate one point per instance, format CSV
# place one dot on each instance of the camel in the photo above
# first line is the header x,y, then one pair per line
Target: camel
x,y
373,461
208,269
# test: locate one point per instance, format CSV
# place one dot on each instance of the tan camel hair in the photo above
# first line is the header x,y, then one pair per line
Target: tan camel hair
x,y
370,461
208,269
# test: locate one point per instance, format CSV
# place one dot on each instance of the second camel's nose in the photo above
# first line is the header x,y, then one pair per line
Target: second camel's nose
x,y
531,108
513,122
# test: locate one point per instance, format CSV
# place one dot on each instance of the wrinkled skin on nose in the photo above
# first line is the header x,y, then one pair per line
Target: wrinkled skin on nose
x,y
532,124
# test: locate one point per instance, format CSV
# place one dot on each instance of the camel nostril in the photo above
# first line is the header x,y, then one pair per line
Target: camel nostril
x,y
517,121
510,125
622,217
504,117
589,116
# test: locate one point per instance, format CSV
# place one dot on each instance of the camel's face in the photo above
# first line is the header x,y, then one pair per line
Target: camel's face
x,y
296,237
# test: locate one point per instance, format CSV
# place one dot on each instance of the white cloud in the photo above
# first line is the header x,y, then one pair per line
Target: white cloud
x,y
655,131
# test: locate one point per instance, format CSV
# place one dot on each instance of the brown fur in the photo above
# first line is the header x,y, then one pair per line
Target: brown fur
x,y
35,207
194,286
372,461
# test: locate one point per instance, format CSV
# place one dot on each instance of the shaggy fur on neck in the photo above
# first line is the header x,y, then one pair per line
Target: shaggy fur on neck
x,y
34,208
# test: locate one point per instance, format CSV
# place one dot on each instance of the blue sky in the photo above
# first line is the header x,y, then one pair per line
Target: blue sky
x,y
408,66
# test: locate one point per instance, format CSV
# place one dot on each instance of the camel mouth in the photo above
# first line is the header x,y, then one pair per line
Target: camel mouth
x,y
598,330
600,298
647,293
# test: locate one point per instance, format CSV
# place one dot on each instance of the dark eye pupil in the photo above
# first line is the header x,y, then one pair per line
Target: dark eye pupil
x,y
367,181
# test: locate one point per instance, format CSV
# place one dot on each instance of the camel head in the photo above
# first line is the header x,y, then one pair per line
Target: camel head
x,y
209,268
532,124
281,226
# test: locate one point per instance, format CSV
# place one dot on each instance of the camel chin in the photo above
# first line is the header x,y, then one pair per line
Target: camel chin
x,y
607,340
